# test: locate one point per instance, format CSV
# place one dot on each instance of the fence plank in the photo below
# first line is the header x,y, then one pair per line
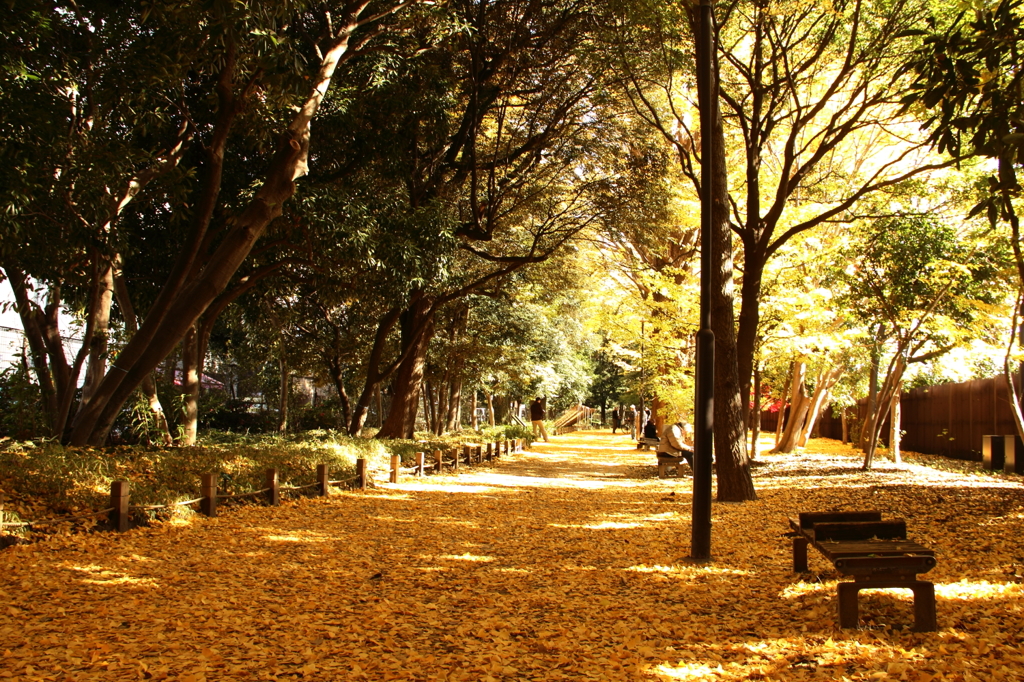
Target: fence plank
x,y
943,419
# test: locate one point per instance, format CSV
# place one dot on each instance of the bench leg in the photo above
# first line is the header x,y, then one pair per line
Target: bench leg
x,y
924,607
799,555
848,608
924,602
662,470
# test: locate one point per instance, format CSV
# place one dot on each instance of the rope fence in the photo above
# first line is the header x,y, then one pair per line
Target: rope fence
x,y
119,514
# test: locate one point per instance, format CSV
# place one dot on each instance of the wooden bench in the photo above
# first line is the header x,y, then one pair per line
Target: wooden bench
x,y
666,462
874,552
644,443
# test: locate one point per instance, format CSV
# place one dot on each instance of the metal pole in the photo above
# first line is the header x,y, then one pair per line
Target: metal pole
x,y
704,388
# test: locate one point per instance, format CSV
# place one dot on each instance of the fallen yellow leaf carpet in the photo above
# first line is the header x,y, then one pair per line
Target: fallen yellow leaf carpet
x,y
564,563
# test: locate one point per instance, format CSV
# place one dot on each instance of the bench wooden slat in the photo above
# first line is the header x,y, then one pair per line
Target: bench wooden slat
x,y
881,548
808,519
884,566
860,530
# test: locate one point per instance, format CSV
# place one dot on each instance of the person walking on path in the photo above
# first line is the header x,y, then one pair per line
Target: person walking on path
x,y
537,419
616,419
631,421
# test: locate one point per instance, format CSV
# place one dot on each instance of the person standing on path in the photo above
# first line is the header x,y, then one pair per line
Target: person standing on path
x,y
616,419
631,421
537,419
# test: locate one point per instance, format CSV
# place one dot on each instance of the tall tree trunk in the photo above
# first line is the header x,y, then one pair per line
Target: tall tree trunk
x,y
374,374
823,386
148,385
338,379
846,425
380,407
474,422
755,418
285,390
196,281
190,385
490,407
658,413
750,311
443,394
455,402
101,299
868,427
893,378
799,404
780,423
732,467
58,378
417,330
895,419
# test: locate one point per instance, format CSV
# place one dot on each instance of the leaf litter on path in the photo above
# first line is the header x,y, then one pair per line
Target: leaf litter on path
x,y
564,563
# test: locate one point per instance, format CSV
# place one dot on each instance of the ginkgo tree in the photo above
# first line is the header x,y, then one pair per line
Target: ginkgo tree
x,y
922,286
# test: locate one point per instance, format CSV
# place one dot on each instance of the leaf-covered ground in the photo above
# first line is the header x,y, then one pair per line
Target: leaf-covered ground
x,y
565,563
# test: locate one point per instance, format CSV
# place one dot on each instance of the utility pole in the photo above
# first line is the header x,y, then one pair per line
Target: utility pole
x,y
704,389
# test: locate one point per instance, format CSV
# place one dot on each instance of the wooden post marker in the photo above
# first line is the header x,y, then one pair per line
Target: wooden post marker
x,y
489,453
271,483
438,461
322,481
455,457
361,473
119,501
396,462
478,452
467,452
208,491
421,463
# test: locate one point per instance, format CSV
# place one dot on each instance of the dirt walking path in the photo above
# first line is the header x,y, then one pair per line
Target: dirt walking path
x,y
564,563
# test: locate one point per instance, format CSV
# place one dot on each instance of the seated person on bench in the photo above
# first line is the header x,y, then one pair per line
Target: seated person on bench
x,y
672,444
651,429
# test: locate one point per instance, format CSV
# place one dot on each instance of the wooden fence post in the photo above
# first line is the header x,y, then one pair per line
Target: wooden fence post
x,y
421,464
478,452
467,452
361,473
208,491
489,455
455,456
508,447
271,483
322,480
119,501
438,461
396,462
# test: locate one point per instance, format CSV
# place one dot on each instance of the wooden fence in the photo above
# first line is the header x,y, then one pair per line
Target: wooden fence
x,y
120,512
945,419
